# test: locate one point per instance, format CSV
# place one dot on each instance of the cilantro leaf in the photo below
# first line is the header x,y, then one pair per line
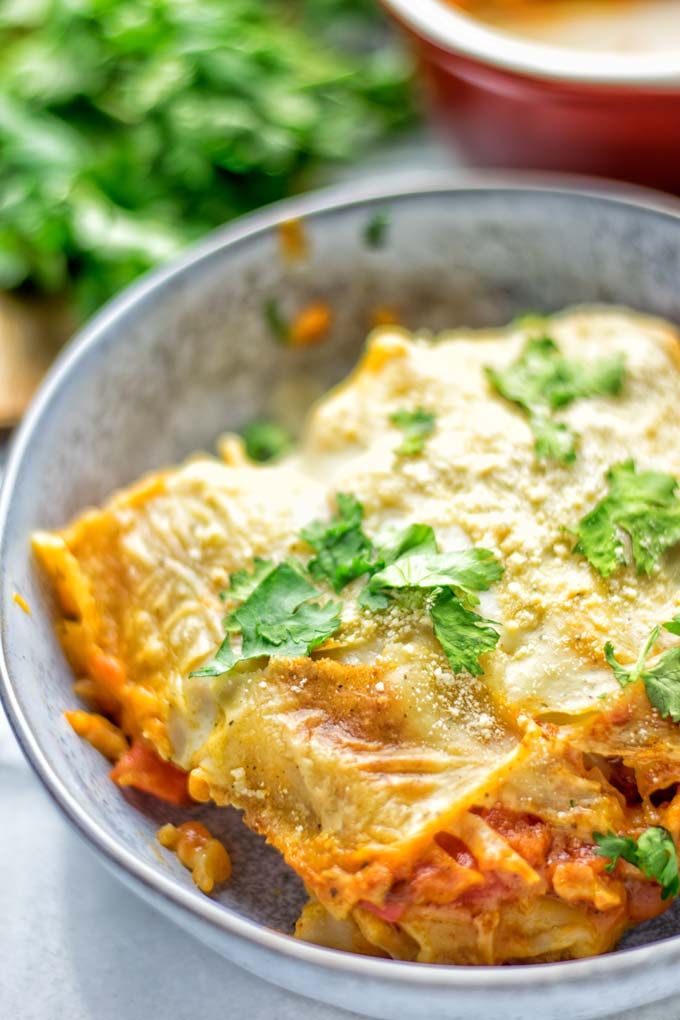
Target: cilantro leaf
x,y
653,853
417,426
265,440
373,599
223,660
343,550
658,859
541,381
277,618
628,676
392,543
274,318
408,561
375,231
616,847
469,570
244,582
453,578
673,626
462,633
662,682
552,439
642,504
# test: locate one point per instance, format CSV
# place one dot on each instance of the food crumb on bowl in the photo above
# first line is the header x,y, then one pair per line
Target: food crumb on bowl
x,y
310,325
206,858
22,603
293,240
101,733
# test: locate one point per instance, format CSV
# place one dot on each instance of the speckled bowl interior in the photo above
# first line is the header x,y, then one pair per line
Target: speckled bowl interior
x,y
189,353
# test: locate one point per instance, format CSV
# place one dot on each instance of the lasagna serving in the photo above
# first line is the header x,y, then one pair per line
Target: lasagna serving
x,y
433,654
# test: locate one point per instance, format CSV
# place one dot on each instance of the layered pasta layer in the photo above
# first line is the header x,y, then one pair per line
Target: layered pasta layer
x,y
433,814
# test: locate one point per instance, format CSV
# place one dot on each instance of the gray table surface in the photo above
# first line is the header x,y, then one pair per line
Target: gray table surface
x,y
76,944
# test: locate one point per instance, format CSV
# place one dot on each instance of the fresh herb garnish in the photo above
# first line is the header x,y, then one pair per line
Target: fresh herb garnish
x,y
447,583
644,505
542,381
662,682
417,426
391,543
463,634
275,320
277,618
468,570
343,551
243,583
673,626
653,853
265,440
375,231
406,565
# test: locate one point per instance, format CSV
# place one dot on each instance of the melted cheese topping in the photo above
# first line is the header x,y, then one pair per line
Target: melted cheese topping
x,y
432,816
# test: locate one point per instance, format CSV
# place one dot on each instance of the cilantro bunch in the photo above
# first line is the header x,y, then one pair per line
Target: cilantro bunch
x,y
128,128
653,853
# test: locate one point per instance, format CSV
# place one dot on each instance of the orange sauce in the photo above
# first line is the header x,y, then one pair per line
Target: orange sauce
x,y
615,26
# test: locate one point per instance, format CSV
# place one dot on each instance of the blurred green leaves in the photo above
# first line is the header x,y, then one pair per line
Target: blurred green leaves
x,y
130,127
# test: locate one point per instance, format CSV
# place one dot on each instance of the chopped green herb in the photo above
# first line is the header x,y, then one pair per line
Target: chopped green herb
x,y
417,426
375,232
628,676
541,381
469,570
615,847
644,505
395,542
463,634
406,563
653,853
265,440
553,440
572,803
662,682
450,582
243,583
343,551
277,618
673,626
275,320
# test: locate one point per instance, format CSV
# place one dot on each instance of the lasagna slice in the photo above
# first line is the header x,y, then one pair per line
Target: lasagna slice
x,y
437,742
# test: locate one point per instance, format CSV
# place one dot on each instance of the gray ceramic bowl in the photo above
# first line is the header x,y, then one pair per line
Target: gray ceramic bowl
x,y
188,353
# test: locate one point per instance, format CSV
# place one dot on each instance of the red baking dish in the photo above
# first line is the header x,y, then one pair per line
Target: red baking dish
x,y
515,103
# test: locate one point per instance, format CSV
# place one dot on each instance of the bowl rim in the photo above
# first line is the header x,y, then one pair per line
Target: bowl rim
x,y
162,889
451,29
